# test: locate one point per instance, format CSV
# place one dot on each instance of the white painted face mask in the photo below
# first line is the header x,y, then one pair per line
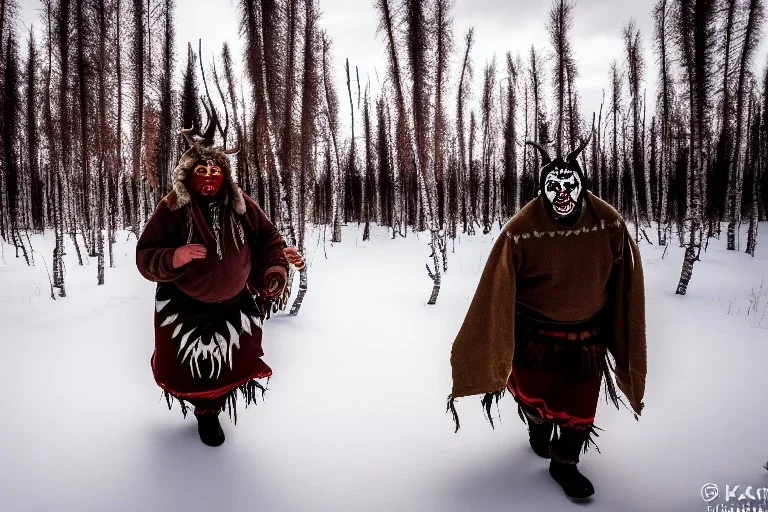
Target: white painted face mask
x,y
562,185
562,188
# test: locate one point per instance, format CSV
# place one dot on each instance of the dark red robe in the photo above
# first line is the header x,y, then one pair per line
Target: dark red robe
x,y
207,325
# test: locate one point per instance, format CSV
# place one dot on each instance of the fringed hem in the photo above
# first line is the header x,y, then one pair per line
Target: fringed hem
x,y
451,406
607,369
169,398
590,432
587,436
247,392
486,402
538,408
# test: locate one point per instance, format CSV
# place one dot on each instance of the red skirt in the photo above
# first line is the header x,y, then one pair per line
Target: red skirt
x,y
206,351
557,371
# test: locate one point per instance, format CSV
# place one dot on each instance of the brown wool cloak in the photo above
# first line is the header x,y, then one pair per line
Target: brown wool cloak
x,y
481,357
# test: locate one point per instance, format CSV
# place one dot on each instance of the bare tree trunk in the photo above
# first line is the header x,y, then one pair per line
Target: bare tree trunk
x,y
3,9
84,98
635,67
734,188
486,106
560,21
284,217
695,24
524,180
118,152
616,188
309,108
463,92
102,140
473,181
443,43
436,243
351,167
536,91
65,156
510,187
597,150
755,164
287,111
661,16
369,187
330,107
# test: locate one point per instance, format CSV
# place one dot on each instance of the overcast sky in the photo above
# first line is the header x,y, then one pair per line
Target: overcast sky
x,y
500,26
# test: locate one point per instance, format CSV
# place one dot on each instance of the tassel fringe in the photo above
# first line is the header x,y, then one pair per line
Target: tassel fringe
x,y
169,398
604,366
487,402
247,392
452,408
589,438
215,224
611,394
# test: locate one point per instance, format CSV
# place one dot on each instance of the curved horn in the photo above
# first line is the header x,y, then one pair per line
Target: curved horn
x,y
210,128
545,160
573,155
186,133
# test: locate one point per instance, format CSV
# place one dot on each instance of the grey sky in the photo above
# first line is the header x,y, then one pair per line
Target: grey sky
x,y
500,26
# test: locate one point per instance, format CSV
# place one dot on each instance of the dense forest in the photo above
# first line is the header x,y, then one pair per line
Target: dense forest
x,y
92,102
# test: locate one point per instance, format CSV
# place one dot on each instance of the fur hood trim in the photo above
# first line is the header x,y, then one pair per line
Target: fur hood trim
x,y
180,196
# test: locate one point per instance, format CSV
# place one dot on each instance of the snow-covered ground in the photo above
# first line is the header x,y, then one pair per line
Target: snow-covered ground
x,y
355,416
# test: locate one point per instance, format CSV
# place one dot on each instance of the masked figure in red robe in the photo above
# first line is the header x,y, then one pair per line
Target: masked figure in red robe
x,y
214,254
561,291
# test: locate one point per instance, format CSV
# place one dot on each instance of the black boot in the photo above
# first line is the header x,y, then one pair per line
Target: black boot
x,y
209,428
539,434
564,469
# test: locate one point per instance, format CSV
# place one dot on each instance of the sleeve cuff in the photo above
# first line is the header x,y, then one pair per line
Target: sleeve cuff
x,y
171,273
276,270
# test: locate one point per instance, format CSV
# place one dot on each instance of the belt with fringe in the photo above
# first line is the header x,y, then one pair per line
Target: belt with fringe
x,y
576,348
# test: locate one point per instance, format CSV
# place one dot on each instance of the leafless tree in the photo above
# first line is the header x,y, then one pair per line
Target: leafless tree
x,y
310,85
753,166
443,49
509,190
414,121
560,23
664,108
487,126
615,189
754,20
695,40
635,74
330,109
465,79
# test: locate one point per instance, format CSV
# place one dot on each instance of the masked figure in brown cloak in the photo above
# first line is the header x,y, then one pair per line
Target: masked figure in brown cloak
x,y
213,253
562,290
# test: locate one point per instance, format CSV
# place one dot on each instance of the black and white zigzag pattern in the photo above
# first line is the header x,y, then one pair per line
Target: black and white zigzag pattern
x,y
206,332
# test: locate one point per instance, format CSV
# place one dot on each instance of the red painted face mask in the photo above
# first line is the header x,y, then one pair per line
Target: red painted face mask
x,y
207,179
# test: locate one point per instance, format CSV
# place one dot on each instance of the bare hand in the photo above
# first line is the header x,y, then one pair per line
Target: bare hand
x,y
294,257
187,253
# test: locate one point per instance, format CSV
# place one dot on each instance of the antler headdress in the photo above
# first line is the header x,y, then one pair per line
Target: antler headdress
x,y
200,148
